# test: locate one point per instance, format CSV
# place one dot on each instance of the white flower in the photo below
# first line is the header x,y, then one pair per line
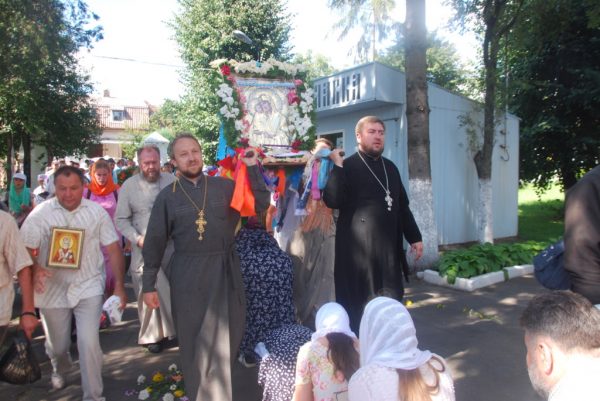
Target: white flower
x,y
173,387
141,380
172,367
239,125
144,394
168,397
228,100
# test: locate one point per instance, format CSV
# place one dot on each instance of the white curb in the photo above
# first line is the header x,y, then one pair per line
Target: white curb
x,y
474,283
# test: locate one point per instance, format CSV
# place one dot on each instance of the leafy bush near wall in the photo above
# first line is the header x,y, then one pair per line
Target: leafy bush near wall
x,y
486,258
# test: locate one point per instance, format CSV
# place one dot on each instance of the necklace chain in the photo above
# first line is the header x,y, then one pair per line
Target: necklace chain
x,y
201,221
388,198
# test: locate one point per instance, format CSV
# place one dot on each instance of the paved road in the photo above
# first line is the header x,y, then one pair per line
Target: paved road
x,y
478,333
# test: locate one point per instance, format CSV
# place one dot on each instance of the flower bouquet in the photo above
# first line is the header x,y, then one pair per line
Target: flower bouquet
x,y
163,387
125,173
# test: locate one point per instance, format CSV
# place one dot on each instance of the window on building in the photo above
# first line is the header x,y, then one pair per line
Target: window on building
x,y
118,115
337,138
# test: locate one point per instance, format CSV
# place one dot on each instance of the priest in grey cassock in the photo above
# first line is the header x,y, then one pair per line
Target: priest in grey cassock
x,y
374,217
207,291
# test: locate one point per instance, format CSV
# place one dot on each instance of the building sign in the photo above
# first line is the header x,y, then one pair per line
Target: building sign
x,y
339,90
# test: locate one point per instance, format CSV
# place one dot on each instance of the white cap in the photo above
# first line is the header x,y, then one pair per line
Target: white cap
x,y
20,176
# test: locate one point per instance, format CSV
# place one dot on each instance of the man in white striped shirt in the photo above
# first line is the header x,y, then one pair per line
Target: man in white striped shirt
x,y
63,292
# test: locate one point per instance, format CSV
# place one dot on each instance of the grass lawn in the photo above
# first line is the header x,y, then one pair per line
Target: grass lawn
x,y
541,217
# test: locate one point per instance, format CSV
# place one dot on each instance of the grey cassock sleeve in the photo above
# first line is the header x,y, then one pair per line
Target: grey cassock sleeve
x,y
155,242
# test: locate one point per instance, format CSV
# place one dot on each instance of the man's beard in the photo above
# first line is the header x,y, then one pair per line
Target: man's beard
x,y
151,177
537,383
189,173
372,152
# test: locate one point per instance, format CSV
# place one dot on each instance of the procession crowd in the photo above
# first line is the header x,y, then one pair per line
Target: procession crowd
x,y
288,286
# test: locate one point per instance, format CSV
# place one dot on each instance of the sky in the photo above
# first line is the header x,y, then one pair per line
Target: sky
x,y
138,58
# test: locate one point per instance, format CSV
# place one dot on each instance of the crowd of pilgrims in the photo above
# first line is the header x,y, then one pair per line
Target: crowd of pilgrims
x,y
300,339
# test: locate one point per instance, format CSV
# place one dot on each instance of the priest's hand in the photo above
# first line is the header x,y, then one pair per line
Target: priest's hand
x,y
417,249
151,300
250,157
337,157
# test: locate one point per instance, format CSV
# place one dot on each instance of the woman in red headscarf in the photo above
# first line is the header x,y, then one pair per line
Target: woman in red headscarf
x,y
103,191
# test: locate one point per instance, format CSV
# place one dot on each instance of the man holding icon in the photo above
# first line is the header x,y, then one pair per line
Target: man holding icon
x,y
77,288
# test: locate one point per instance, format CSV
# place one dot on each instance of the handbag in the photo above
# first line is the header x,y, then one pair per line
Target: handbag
x,y
549,268
18,365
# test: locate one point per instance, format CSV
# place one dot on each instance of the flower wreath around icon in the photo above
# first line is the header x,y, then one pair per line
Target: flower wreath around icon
x,y
300,98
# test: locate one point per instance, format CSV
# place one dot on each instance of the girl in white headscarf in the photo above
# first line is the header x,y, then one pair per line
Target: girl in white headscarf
x,y
392,367
326,363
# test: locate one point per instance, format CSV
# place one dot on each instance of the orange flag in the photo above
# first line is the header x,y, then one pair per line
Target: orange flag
x,y
243,198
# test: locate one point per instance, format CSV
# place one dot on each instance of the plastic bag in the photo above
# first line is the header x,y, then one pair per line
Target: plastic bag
x,y
18,365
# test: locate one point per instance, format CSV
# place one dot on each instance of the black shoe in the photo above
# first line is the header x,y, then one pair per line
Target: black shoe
x,y
154,348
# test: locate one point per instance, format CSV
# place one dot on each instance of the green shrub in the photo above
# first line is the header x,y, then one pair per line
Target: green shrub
x,y
486,258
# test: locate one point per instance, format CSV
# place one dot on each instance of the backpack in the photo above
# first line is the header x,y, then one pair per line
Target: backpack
x,y
549,268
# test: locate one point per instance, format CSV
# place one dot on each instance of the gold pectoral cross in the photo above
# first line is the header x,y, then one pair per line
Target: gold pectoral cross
x,y
201,223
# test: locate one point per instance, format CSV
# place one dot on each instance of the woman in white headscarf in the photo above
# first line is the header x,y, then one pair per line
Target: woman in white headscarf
x,y
392,367
326,363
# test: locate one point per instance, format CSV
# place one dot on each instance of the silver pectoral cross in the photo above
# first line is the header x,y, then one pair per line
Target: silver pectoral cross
x,y
389,200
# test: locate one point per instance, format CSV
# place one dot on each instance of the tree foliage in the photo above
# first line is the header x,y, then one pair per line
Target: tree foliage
x,y
444,67
317,65
203,30
555,64
372,17
44,98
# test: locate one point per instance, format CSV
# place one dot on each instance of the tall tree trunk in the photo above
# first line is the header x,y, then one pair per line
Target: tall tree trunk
x,y
483,158
417,116
26,142
9,158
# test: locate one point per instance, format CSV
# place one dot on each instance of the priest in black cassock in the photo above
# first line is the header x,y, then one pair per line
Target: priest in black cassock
x,y
374,217
207,291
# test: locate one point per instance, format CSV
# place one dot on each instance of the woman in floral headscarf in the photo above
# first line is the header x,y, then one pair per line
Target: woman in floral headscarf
x,y
103,191
19,198
392,367
326,363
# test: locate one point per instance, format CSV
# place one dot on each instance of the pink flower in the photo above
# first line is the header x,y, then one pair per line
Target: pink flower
x,y
225,70
296,145
298,82
292,97
244,142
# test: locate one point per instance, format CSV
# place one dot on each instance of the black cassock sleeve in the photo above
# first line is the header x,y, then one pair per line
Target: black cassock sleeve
x,y
407,222
336,189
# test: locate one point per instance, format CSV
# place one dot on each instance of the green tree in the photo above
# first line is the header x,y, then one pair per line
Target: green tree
x,y
44,99
555,65
372,17
317,65
492,19
444,66
203,30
